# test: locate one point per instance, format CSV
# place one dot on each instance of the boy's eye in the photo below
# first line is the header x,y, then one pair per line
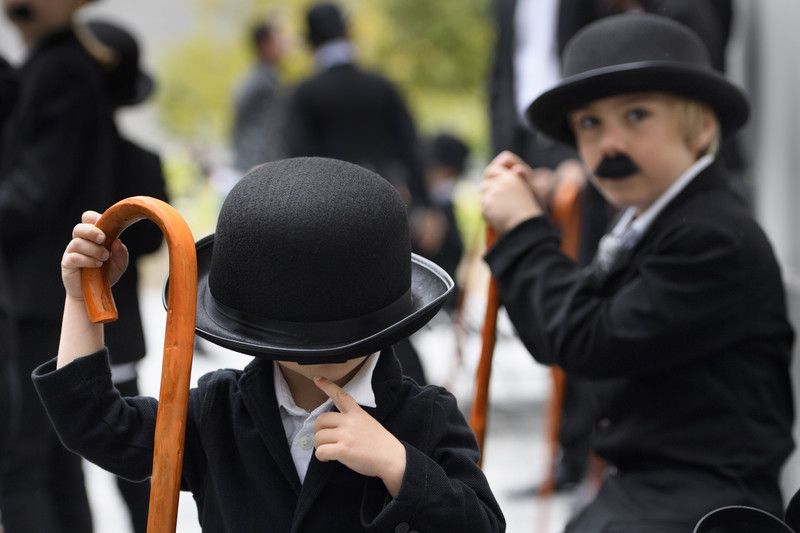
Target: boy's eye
x,y
636,115
586,122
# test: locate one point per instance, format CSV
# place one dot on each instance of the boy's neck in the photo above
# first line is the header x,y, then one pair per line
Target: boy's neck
x,y
305,393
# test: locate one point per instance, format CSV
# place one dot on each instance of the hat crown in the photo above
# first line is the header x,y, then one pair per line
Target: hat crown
x,y
311,240
633,38
630,53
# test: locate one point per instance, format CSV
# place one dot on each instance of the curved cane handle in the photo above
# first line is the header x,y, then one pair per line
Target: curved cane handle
x,y
178,342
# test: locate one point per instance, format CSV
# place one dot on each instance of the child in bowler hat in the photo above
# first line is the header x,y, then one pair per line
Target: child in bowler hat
x,y
310,271
680,322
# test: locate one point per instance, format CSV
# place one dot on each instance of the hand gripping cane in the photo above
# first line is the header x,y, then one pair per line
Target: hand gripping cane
x,y
178,342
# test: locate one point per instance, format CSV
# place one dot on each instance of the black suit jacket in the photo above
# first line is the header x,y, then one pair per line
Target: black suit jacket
x,y
357,116
139,173
688,343
57,163
508,132
239,467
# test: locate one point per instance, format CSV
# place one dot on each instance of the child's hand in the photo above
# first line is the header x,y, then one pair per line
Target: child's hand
x,y
508,194
357,440
85,250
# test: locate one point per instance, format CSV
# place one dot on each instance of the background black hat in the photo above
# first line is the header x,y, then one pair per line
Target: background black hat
x,y
325,23
127,83
447,150
311,262
636,53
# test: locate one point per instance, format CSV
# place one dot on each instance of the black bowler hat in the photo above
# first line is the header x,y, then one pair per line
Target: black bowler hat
x,y
325,23
636,53
447,150
311,262
127,83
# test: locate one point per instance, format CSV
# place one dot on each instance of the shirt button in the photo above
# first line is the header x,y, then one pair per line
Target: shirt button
x,y
603,425
306,442
402,527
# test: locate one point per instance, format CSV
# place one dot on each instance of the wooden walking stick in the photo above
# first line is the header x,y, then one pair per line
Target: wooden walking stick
x,y
178,342
566,215
480,405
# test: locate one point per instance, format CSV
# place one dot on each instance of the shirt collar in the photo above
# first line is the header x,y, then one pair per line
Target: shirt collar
x,y
334,53
359,387
640,223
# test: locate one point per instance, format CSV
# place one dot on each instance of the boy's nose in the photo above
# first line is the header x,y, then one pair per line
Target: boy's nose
x,y
612,141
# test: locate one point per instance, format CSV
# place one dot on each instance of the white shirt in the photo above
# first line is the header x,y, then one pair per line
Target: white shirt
x,y
299,423
536,63
630,228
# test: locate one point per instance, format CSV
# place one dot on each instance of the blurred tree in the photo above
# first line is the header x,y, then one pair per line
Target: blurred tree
x,y
436,52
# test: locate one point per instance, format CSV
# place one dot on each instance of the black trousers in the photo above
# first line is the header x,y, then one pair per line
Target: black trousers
x,y
42,488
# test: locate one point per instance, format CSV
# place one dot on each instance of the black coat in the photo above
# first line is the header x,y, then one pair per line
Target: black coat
x,y
347,113
688,343
57,163
508,132
238,464
139,173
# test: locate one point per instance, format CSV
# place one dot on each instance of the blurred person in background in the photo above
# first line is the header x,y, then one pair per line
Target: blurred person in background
x,y
260,102
346,113
435,232
139,172
58,157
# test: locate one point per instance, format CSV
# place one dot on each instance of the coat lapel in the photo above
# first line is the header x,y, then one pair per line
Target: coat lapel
x,y
258,393
319,474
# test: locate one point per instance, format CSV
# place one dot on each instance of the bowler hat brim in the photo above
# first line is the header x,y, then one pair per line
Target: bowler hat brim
x,y
319,342
741,519
548,113
143,89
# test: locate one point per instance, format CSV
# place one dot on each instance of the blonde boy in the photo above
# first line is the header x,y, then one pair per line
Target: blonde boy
x,y
681,320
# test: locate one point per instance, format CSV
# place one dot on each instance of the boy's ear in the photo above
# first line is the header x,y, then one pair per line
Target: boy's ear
x,y
707,134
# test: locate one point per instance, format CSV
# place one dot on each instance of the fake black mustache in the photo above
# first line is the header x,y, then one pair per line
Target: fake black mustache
x,y
20,13
620,166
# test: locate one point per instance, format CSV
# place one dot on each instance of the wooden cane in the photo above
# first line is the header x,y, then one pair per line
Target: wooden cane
x,y
178,342
480,405
566,215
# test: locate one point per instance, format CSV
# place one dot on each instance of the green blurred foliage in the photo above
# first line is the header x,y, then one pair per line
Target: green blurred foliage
x,y
437,52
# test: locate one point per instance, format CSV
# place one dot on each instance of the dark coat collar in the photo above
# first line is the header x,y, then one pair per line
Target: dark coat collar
x,y
258,393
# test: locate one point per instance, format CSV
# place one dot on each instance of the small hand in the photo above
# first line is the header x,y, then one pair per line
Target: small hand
x,y
86,250
357,440
507,193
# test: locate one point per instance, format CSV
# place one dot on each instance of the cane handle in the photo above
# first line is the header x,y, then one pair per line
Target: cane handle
x,y
178,342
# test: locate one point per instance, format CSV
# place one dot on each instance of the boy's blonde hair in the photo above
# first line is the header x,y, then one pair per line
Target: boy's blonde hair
x,y
691,114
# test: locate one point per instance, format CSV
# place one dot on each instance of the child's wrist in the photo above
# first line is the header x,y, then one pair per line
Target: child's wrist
x,y
393,473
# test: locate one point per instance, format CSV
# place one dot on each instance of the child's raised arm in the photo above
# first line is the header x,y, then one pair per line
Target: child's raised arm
x,y
79,336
